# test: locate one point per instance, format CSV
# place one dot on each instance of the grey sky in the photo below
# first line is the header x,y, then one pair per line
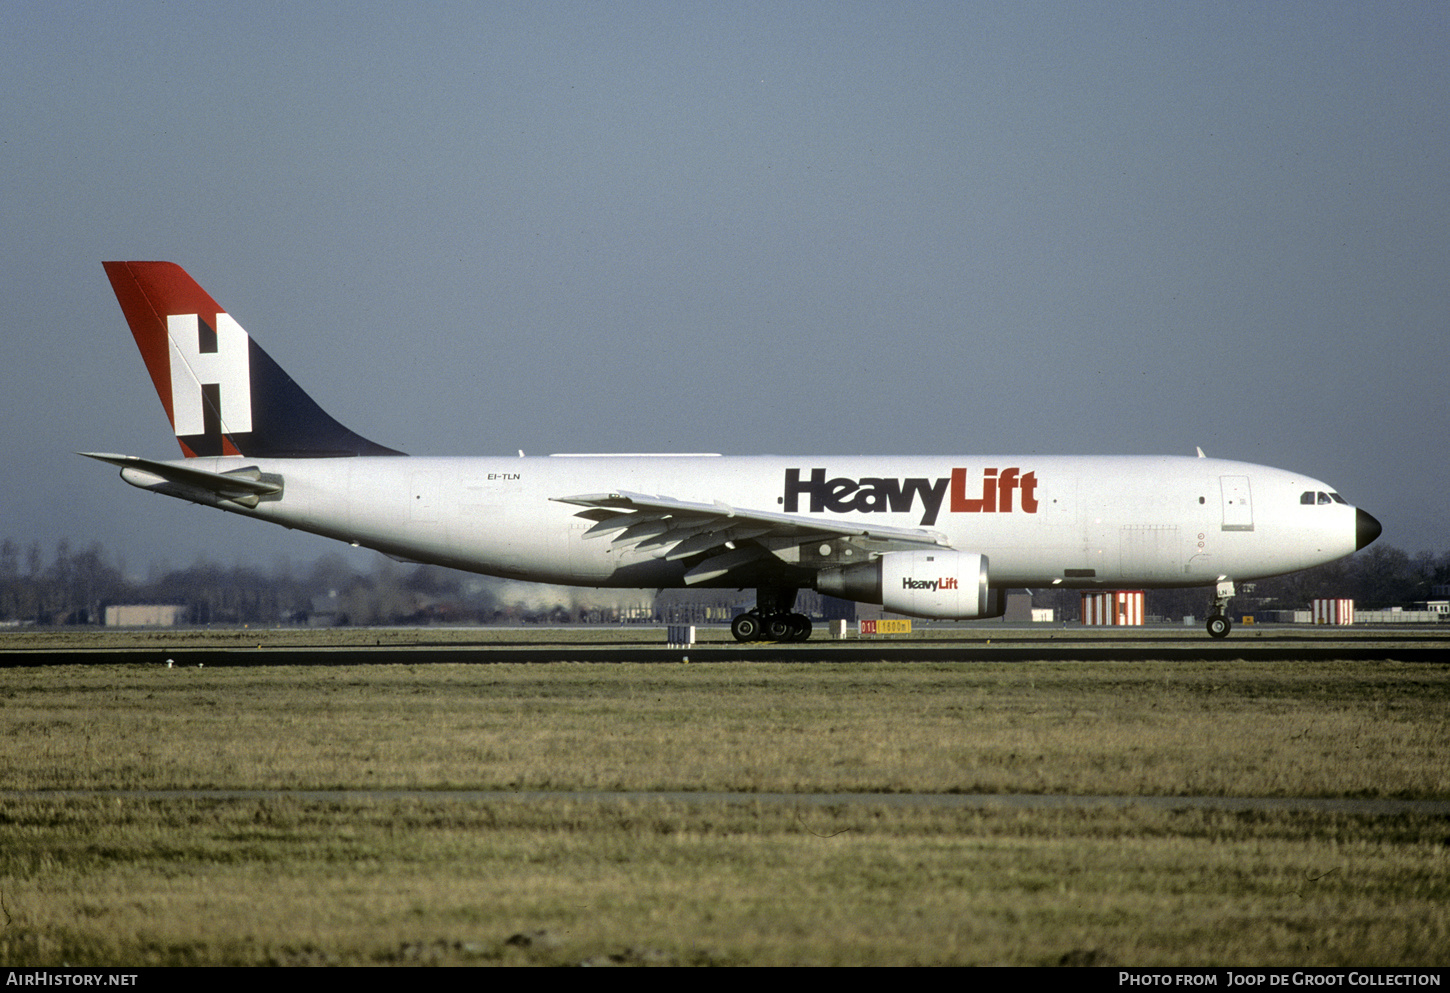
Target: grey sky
x,y
817,228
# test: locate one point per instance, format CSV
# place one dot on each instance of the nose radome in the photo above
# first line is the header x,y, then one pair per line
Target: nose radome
x,y
1366,529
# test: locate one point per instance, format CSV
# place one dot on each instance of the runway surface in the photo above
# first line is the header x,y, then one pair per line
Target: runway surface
x,y
418,646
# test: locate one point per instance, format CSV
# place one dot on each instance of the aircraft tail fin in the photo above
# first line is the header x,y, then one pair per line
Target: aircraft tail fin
x,y
222,393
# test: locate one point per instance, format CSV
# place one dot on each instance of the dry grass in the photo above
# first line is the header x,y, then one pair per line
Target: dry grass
x,y
138,881
1240,729
93,881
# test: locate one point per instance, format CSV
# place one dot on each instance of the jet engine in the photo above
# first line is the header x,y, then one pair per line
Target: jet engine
x,y
943,584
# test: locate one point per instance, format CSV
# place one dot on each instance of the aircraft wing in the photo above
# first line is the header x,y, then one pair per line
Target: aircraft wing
x,y
729,537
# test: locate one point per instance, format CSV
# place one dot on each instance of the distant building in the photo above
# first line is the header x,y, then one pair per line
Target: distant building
x,y
1333,610
145,615
326,611
1113,608
1019,608
1433,612
697,607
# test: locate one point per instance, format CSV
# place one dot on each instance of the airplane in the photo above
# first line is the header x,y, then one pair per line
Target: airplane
x,y
930,536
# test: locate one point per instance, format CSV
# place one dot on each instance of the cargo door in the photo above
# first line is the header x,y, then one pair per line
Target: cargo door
x,y
1238,505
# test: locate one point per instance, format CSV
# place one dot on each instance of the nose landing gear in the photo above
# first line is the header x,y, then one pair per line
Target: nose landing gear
x,y
1218,623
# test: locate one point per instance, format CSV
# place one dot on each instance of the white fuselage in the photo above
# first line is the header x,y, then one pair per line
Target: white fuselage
x,y
1075,521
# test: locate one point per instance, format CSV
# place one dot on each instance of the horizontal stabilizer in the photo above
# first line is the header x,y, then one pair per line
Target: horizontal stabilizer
x,y
244,485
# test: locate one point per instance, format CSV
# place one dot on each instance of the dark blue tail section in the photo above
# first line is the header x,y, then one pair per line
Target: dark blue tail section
x,y
288,424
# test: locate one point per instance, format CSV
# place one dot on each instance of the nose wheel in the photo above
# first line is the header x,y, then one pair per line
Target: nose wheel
x,y
1218,623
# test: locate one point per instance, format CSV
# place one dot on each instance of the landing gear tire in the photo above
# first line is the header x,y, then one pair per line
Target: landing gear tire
x,y
783,627
800,627
746,627
787,627
778,627
1218,623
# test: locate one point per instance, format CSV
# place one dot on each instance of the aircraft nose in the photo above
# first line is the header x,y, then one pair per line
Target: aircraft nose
x,y
1366,529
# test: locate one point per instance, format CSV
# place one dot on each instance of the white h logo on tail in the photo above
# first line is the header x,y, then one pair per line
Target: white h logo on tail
x,y
223,365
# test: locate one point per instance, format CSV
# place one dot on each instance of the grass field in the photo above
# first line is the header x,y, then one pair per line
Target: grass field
x,y
107,880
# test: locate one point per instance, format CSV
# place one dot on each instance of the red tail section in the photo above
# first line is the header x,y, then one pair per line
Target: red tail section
x,y
148,293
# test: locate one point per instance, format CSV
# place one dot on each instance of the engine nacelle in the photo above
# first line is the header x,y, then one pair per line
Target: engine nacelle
x,y
942,584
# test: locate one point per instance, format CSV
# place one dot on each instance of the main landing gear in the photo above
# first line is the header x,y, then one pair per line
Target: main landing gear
x,y
772,619
1218,623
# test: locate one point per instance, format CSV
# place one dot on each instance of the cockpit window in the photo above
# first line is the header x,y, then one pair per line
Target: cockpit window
x,y
1320,498
1307,497
1338,499
1324,498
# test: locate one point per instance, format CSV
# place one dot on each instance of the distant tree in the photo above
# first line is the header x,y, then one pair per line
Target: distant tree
x,y
92,582
330,573
11,584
